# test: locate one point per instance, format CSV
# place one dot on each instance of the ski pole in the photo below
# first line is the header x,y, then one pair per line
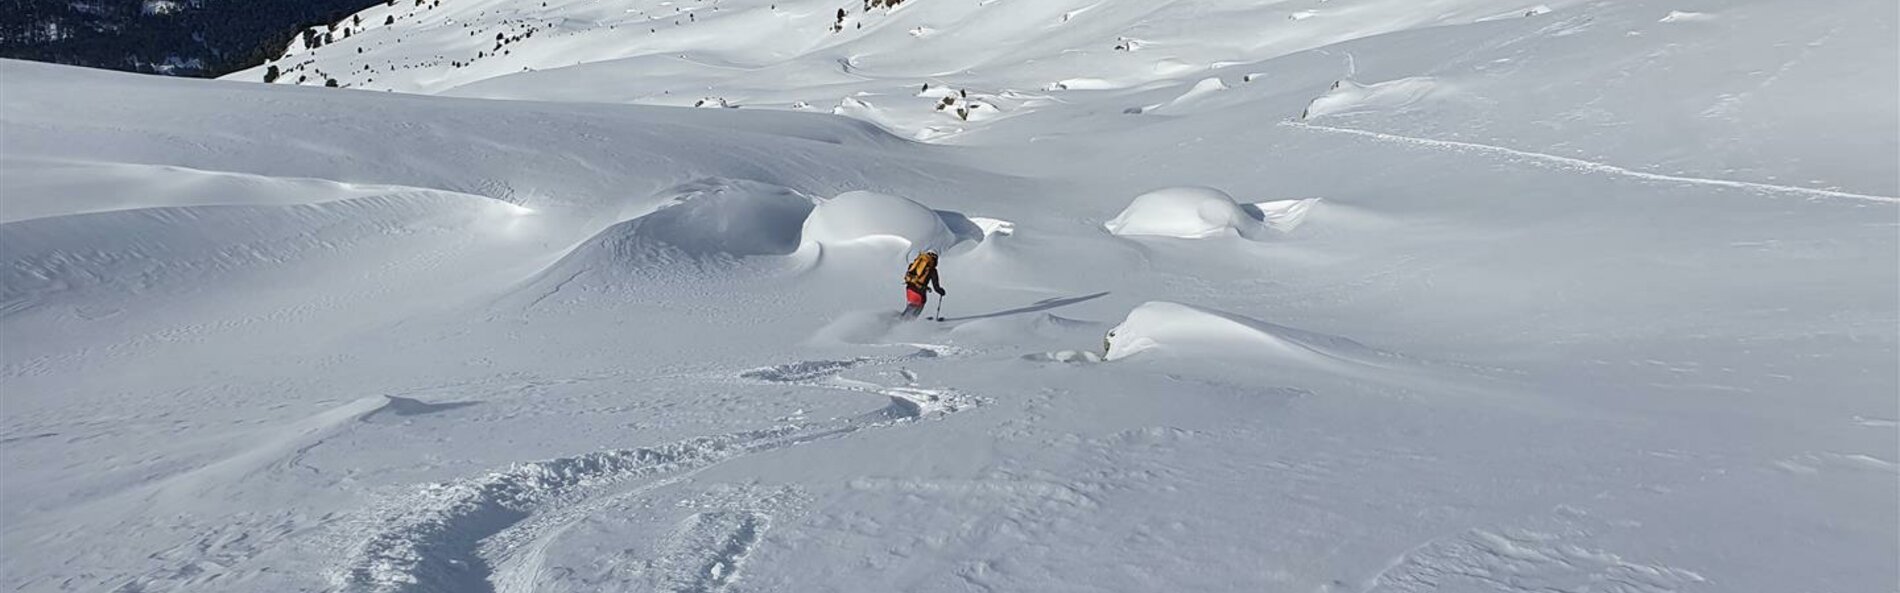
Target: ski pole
x,y
940,307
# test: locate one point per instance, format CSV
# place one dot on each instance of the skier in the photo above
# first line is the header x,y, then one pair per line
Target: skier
x,y
918,279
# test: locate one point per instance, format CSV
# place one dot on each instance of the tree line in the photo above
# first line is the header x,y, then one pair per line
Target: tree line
x,y
205,38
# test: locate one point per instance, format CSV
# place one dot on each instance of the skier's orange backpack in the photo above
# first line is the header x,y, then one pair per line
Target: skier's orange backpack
x,y
919,273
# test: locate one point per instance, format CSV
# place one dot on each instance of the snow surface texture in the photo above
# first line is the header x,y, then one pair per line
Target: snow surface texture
x,y
1366,296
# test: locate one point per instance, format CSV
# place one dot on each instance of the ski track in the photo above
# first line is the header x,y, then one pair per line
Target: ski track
x,y
1568,163
709,549
442,537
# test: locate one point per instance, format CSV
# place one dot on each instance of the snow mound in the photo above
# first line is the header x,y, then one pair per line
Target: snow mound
x,y
708,219
1348,98
861,217
1194,94
1183,212
1679,16
727,216
1206,86
1186,330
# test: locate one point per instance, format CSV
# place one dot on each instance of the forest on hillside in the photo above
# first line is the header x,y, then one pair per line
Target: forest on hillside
x,y
204,38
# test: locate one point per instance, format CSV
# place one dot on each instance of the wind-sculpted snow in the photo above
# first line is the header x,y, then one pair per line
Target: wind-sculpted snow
x,y
109,256
1282,215
716,216
47,188
703,224
1185,330
1195,94
1181,212
599,164
1205,212
871,218
1546,295
1350,98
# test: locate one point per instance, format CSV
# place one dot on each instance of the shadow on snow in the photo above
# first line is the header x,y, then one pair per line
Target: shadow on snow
x,y
1042,305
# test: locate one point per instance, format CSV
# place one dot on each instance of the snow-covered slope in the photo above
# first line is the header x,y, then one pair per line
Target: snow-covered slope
x,y
1747,90
1355,295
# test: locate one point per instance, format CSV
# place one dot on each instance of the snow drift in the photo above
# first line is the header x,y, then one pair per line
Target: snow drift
x,y
1281,215
1186,330
708,219
1183,212
1203,212
703,228
1348,97
866,217
1199,91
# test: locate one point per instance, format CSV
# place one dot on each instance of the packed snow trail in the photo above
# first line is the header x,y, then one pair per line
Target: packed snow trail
x,y
438,539
1580,165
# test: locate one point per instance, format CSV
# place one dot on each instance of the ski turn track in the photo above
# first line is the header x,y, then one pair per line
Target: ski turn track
x,y
1573,164
491,532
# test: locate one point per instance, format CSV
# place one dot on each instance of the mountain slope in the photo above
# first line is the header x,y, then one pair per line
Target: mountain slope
x,y
1625,84
1583,297
184,38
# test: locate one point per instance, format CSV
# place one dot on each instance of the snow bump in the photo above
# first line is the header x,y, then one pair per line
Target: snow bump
x,y
1182,212
706,221
1348,97
1186,330
861,217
